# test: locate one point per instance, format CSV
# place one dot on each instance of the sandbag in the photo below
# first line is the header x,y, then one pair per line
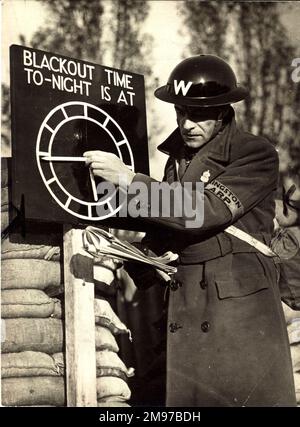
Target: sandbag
x,y
294,331
108,364
107,403
289,313
45,335
33,391
288,244
59,362
28,303
28,364
30,273
109,359
51,391
105,339
17,250
295,353
57,309
112,386
297,386
105,316
111,372
4,219
289,283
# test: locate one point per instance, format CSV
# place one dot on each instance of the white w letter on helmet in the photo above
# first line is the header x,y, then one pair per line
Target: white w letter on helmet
x,y
183,86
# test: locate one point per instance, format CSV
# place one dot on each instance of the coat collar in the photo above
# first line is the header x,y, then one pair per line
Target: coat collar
x,y
212,158
172,145
218,148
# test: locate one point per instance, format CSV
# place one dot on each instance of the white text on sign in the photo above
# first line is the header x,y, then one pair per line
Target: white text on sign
x,y
65,75
126,95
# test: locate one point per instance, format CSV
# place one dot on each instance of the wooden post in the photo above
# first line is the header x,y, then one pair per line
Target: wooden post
x,y
79,323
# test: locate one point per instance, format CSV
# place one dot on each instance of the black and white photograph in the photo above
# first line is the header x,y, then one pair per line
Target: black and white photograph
x,y
150,206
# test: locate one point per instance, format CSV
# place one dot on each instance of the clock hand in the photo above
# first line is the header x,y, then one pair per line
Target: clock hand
x,y
64,159
92,178
74,159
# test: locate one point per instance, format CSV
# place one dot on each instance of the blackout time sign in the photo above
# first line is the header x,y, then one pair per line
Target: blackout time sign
x,y
62,107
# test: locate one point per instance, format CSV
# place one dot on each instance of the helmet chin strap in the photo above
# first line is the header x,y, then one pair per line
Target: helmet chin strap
x,y
220,122
218,127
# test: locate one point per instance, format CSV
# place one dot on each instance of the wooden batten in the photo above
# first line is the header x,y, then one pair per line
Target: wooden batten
x,y
79,322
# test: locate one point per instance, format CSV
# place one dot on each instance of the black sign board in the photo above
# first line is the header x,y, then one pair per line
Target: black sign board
x,y
62,107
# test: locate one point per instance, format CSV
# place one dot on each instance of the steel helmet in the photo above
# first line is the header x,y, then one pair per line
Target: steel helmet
x,y
203,81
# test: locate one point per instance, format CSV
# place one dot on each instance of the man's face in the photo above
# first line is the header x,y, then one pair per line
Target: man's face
x,y
196,124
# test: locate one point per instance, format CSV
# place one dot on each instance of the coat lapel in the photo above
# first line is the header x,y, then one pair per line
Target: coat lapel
x,y
212,158
171,173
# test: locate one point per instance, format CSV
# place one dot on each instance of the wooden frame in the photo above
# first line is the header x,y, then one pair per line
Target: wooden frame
x,y
79,323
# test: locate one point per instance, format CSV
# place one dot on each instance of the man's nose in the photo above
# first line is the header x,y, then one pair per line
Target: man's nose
x,y
188,123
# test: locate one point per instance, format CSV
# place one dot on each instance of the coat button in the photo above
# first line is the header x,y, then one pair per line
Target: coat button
x,y
175,284
173,327
203,284
205,326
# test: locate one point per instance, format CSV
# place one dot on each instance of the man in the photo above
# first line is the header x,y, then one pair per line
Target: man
x,y
227,343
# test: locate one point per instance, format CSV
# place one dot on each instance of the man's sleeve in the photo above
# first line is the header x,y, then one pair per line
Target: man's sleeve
x,y
244,184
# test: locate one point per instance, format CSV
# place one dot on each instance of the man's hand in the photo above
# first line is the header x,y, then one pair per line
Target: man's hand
x,y
109,167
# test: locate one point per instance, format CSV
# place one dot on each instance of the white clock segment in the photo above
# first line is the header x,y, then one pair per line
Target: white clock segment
x,y
83,209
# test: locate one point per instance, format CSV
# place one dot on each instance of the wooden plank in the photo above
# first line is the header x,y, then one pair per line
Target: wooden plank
x,y
79,323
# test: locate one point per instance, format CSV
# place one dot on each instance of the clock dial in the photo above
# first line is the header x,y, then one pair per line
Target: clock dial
x,y
66,133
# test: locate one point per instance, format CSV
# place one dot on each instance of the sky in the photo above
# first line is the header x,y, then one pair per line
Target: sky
x,y
24,16
163,23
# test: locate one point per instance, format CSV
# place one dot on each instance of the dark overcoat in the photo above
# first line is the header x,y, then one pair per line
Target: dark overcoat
x,y
227,342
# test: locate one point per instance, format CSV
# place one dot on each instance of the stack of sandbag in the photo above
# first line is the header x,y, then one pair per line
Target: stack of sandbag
x,y
33,368
293,327
112,374
31,378
31,322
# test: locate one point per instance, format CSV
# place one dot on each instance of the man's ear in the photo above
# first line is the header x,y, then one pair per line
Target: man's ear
x,y
220,116
219,123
